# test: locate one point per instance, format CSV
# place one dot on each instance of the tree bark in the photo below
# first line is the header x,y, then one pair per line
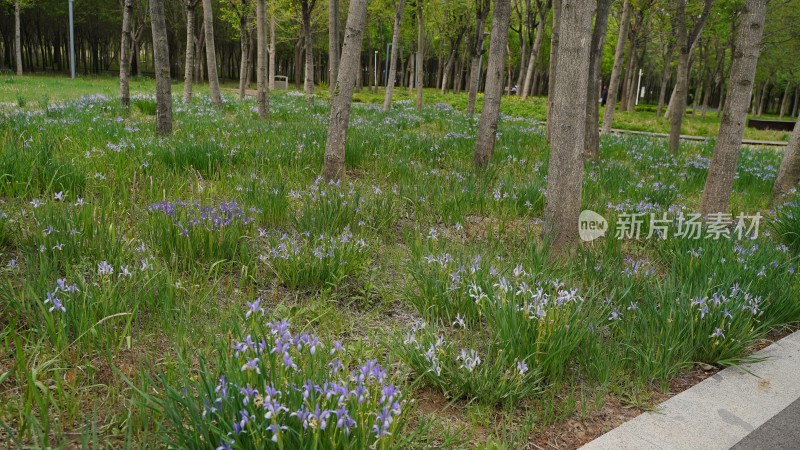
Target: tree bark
x,y
333,43
398,18
333,168
527,85
565,173
555,39
161,63
592,139
308,84
487,127
188,77
796,107
785,100
271,83
686,43
211,54
481,12
722,170
261,60
662,92
124,54
244,43
789,172
17,37
420,59
619,54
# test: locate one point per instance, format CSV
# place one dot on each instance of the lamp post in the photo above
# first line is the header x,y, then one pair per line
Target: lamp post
x,y
71,43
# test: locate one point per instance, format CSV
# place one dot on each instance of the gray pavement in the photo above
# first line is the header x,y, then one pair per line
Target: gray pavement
x,y
724,410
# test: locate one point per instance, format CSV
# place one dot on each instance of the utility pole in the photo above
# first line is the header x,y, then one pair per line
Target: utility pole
x,y
71,43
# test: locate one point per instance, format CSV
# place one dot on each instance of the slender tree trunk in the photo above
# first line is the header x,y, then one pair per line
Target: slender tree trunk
x,y
592,139
785,100
789,172
555,39
398,18
211,54
796,107
161,62
261,60
420,59
333,168
527,85
722,170
481,12
487,127
565,173
17,37
271,83
448,66
626,83
662,92
188,77
244,43
124,56
619,54
333,43
309,47
762,98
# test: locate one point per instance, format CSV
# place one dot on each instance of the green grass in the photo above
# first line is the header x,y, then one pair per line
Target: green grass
x,y
167,253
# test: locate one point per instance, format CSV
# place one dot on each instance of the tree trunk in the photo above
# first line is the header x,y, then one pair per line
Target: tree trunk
x,y
448,67
487,127
188,77
565,173
762,98
592,139
161,63
420,59
527,85
244,43
796,107
481,12
785,100
554,42
308,84
211,54
261,60
398,19
619,54
333,168
662,92
626,83
789,172
124,54
722,170
17,38
333,43
271,83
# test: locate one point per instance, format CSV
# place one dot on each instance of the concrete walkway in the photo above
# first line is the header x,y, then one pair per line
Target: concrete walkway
x,y
732,409
702,138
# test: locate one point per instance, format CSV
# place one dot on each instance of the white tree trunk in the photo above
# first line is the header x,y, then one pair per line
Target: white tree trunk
x,y
244,43
308,83
188,77
124,54
722,170
420,59
398,18
211,54
592,144
527,85
272,48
